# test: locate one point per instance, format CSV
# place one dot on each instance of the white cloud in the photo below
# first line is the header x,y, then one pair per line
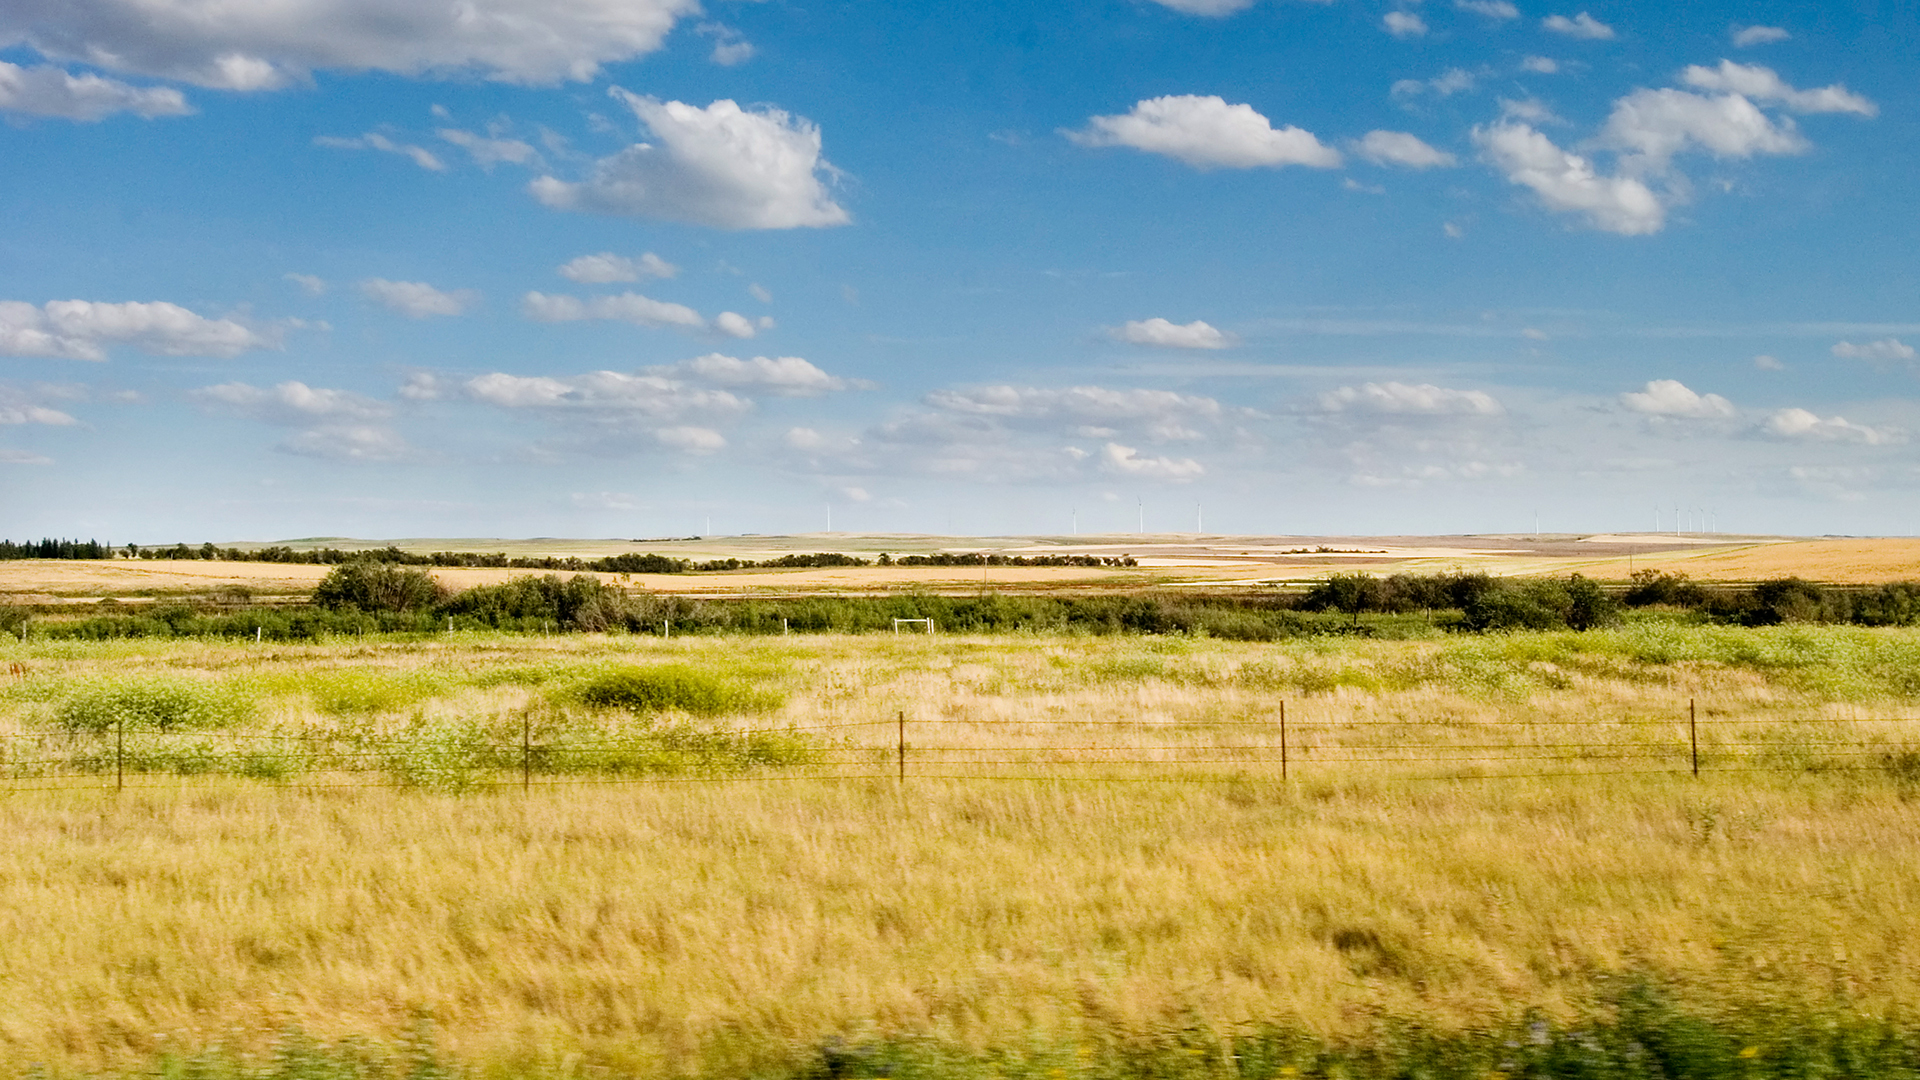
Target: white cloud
x,y
309,284
1527,110
1801,424
373,140
1211,9
1403,24
82,330
349,442
629,307
1206,132
803,438
1763,84
1884,350
22,457
729,47
1768,363
1446,84
760,293
17,407
692,440
787,376
1492,9
1582,26
45,90
608,267
1540,65
1170,335
1650,126
289,403
722,166
265,46
735,325
488,152
417,299
1568,182
1669,397
1163,411
1402,399
1747,36
611,394
1400,148
1126,461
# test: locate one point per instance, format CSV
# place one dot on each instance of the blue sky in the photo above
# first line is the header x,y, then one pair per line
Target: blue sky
x,y
653,267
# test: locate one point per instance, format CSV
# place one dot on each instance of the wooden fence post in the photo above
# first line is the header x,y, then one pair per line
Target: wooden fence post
x,y
1693,736
1283,742
903,744
120,755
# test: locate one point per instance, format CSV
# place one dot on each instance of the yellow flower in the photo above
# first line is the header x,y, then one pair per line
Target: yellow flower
x,y
1750,1052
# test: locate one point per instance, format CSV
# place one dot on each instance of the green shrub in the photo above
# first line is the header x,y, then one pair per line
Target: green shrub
x,y
672,686
377,586
155,705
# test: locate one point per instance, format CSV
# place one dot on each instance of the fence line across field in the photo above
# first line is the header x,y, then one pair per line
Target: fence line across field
x,y
30,761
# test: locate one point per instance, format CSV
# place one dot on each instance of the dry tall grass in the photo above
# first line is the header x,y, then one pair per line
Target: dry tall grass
x,y
639,925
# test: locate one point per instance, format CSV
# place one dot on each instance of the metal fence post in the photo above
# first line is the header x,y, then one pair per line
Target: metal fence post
x,y
1693,736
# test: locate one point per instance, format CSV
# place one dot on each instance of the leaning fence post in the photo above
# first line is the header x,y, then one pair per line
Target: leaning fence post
x,y
1283,742
1693,736
903,744
120,754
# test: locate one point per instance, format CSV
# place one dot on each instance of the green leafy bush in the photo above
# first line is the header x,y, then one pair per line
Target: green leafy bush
x,y
678,687
156,705
377,586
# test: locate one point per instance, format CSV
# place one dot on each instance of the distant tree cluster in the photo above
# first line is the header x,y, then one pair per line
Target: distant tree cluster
x,y
1484,601
55,549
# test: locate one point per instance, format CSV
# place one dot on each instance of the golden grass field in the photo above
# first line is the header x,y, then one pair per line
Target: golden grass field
x,y
1193,562
661,927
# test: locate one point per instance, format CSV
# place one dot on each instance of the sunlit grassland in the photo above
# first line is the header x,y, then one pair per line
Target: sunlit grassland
x,y
733,912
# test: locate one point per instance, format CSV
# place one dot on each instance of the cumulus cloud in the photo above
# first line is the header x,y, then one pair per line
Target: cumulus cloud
x,y
1540,65
1763,84
1170,335
1582,26
1446,84
729,47
1400,148
1206,132
1568,182
1492,9
373,140
723,166
1670,397
417,299
1801,424
692,440
20,407
1211,9
786,376
631,307
335,424
488,151
1650,126
1402,399
1403,24
1885,350
83,330
607,267
1126,461
609,394
45,90
257,46
289,403
1748,36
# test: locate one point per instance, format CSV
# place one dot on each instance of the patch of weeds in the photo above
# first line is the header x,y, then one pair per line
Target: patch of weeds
x,y
673,687
156,705
366,693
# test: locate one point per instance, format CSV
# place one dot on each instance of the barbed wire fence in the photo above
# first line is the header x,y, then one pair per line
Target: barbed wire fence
x,y
1270,748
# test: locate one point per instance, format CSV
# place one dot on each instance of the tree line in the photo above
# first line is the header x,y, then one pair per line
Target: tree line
x,y
55,549
631,563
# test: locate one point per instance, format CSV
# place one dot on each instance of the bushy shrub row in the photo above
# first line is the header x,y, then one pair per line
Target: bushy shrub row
x,y
55,549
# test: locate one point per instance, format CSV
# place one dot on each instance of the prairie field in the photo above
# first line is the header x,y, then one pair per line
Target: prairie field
x,y
697,855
